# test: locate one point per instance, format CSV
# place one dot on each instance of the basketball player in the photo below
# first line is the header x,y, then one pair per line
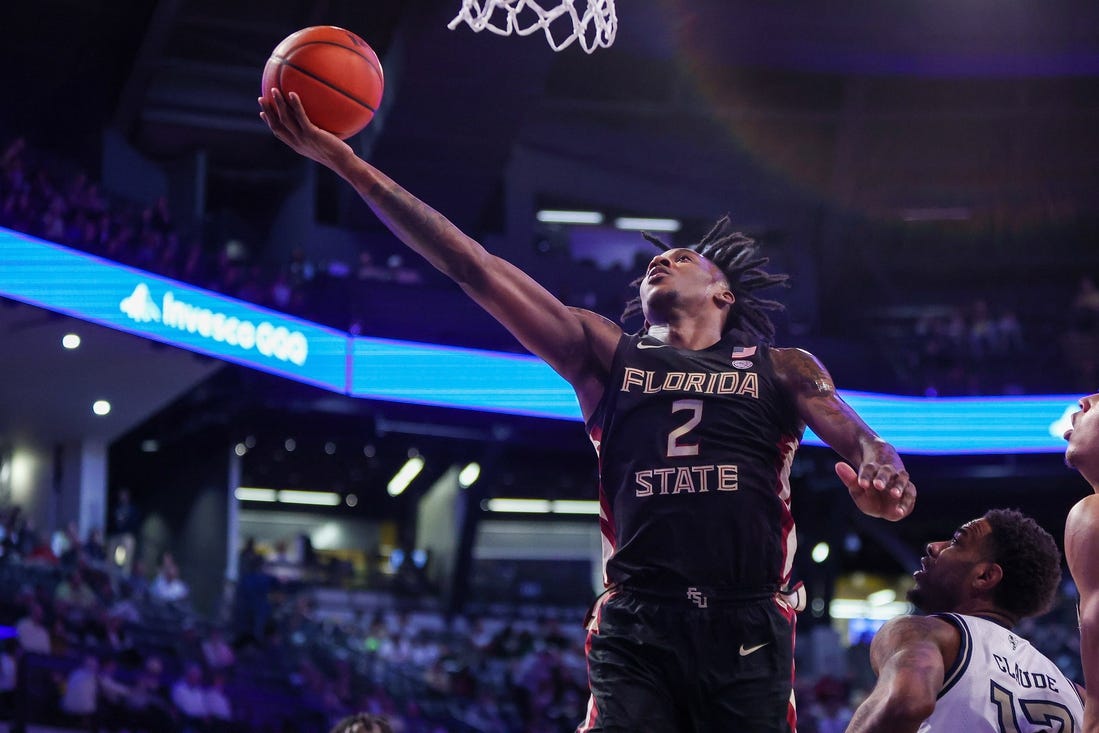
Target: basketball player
x,y
962,668
1082,547
695,420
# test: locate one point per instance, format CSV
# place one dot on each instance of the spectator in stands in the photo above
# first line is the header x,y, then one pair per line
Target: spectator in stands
x,y
78,700
218,707
1085,306
9,670
136,584
16,537
124,606
95,548
72,549
115,638
1081,341
32,632
167,586
74,596
251,603
299,269
216,650
830,710
124,527
113,696
368,270
147,705
189,699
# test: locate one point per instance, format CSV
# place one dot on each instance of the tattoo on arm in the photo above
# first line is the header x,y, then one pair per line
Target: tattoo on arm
x,y
807,376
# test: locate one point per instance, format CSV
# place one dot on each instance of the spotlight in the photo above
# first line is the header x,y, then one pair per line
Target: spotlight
x,y
469,475
410,470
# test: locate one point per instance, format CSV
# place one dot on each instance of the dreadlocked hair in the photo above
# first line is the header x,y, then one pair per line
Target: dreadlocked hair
x,y
737,256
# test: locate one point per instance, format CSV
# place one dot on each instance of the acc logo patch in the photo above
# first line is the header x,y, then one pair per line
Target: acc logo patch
x,y
742,364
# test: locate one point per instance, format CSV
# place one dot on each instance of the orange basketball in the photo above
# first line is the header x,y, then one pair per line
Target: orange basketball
x,y
336,74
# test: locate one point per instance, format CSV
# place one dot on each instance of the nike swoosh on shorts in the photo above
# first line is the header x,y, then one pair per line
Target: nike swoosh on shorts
x,y
745,652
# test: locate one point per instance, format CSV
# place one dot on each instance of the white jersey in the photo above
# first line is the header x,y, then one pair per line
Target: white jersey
x,y
1001,684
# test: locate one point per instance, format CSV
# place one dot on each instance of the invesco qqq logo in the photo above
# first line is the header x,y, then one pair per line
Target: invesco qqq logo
x,y
273,341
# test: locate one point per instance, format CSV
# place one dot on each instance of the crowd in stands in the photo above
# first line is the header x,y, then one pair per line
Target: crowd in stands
x,y
48,198
1081,341
91,647
970,350
964,348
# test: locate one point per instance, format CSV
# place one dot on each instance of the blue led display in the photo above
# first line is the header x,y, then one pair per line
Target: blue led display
x,y
427,374
965,425
104,292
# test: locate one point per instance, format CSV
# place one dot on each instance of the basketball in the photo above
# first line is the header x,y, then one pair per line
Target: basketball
x,y
336,74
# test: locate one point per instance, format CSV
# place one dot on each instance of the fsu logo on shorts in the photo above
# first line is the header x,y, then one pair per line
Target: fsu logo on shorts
x,y
694,595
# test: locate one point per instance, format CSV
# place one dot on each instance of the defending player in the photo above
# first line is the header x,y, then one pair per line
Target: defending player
x,y
1082,547
962,669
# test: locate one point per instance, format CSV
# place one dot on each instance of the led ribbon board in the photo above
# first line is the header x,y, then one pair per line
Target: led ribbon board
x,y
104,292
965,425
428,374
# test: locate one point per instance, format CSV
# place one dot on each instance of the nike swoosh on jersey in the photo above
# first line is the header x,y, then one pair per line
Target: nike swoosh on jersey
x,y
642,345
745,652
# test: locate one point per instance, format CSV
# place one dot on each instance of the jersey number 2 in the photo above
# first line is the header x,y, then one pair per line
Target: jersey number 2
x,y
676,445
1049,716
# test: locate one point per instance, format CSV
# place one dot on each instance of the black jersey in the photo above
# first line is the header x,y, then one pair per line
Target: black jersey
x,y
695,449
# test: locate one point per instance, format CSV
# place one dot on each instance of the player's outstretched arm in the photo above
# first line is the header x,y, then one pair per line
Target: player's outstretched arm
x,y
880,486
577,343
1081,552
908,659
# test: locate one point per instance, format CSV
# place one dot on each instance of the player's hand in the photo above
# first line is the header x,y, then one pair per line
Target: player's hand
x,y
288,121
879,489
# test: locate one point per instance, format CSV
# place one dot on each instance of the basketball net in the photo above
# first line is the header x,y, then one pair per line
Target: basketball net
x,y
523,17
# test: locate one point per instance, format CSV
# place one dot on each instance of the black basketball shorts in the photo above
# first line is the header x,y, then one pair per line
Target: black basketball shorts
x,y
695,665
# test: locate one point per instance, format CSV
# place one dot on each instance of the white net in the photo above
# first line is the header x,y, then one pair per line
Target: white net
x,y
594,27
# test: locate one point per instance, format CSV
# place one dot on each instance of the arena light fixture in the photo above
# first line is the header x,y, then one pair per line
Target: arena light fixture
x,y
846,608
469,475
563,216
574,506
71,341
882,597
313,498
517,506
400,481
541,506
248,493
647,224
101,407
